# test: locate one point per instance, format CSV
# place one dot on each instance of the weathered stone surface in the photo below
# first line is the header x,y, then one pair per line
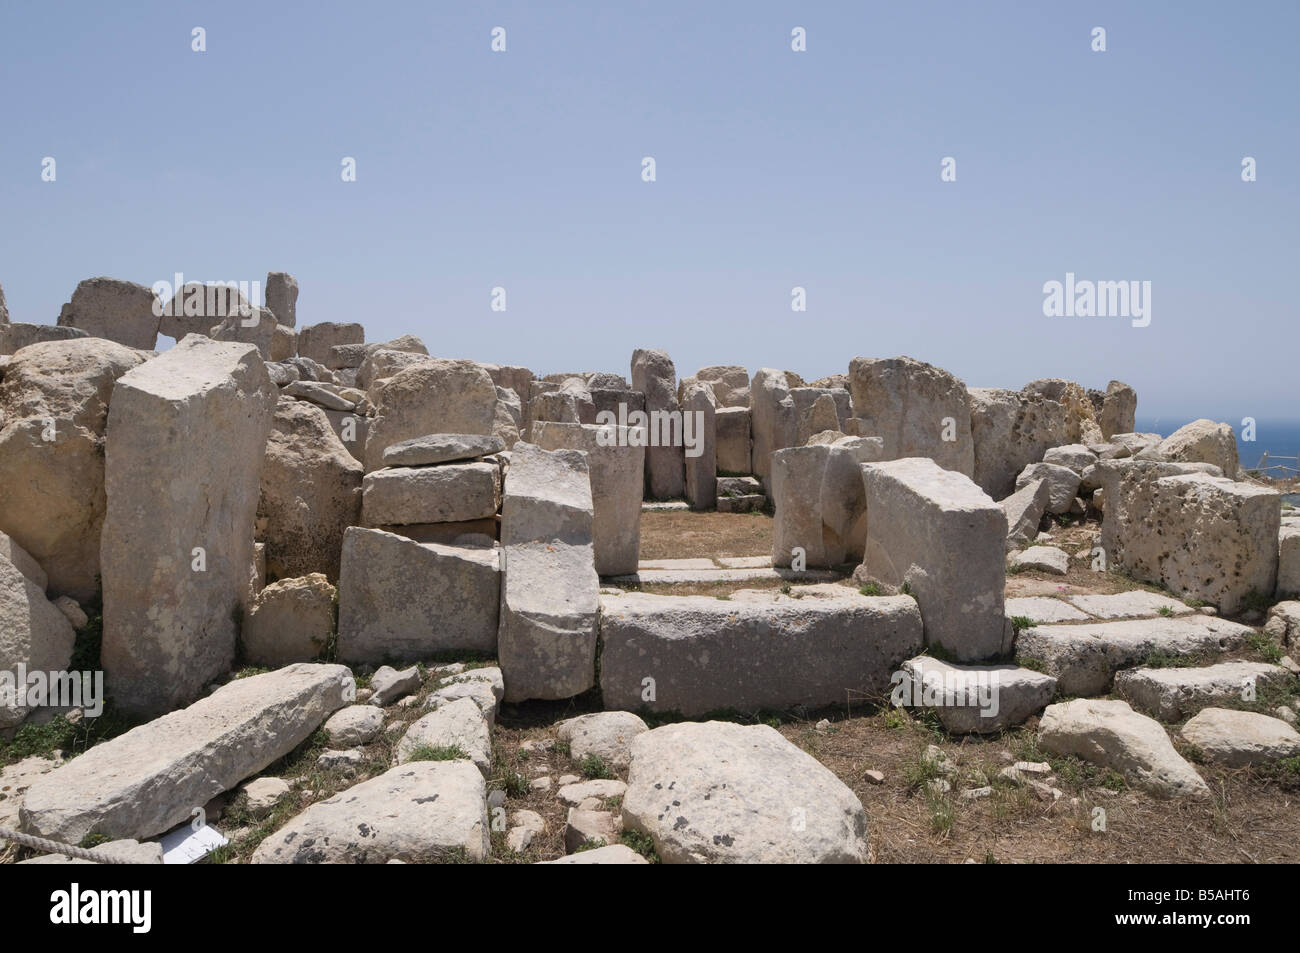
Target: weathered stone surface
x,y
1062,484
33,634
1024,511
1284,624
435,396
310,492
15,779
452,492
399,599
1075,456
733,444
354,725
23,561
282,297
150,779
724,793
262,795
1012,429
441,448
706,654
315,341
914,407
1201,536
1084,657
54,402
1174,693
729,384
289,621
547,495
1043,559
120,311
1113,735
617,478
422,812
605,734
980,699
1043,609
484,686
186,435
584,828
1238,738
457,724
196,307
936,531
388,685
1126,605
773,424
1203,441
382,363
1288,562
549,608
319,395
257,328
699,410
610,854
820,503
1118,409
15,337
654,375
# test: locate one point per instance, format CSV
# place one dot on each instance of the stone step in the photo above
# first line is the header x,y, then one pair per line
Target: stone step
x,y
1172,694
690,576
749,503
1084,657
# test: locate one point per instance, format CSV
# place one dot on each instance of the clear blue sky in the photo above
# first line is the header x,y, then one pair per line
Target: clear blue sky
x,y
775,169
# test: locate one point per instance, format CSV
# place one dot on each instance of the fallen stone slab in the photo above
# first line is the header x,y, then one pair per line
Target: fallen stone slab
x,y
484,686
1239,738
1062,484
315,341
15,337
402,600
432,396
1024,510
453,492
725,793
604,734
1113,735
318,395
1085,657
441,448
35,637
186,435
1047,559
416,813
599,788
1042,609
458,724
609,854
940,534
1076,456
1171,694
745,562
1124,605
748,503
387,685
153,777
701,654
974,699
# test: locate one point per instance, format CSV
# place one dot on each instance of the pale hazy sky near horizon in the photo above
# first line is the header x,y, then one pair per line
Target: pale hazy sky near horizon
x,y
775,169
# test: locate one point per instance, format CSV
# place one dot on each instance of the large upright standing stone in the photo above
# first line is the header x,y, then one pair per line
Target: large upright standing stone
x,y
919,410
773,423
121,311
282,297
316,340
617,481
33,634
1118,409
820,502
53,410
699,419
186,436
939,533
550,596
654,375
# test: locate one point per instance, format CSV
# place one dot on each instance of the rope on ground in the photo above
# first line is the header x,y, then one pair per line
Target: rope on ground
x,y
54,847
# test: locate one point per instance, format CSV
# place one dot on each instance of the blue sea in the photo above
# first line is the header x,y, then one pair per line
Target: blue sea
x,y
1281,438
